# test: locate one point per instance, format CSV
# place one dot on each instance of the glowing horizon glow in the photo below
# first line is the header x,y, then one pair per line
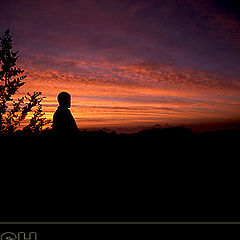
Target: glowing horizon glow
x,y
97,104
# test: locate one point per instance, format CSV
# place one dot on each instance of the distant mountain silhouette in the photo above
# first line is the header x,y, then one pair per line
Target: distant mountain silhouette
x,y
156,131
157,126
99,133
173,132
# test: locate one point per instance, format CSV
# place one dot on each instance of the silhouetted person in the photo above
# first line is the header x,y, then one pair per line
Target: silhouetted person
x,y
63,121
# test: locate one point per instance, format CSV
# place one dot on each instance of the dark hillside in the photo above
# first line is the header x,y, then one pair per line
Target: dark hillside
x,y
109,176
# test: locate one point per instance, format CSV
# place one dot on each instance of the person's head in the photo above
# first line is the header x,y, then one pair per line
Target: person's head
x,y
64,99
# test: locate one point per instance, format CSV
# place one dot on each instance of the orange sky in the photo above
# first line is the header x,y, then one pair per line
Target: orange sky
x,y
138,95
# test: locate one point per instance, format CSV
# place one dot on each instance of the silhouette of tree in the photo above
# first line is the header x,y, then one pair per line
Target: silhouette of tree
x,y
13,112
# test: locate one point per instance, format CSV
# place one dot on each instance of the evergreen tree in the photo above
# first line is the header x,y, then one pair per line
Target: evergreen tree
x,y
14,112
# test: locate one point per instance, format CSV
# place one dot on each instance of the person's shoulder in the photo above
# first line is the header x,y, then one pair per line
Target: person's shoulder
x,y
68,111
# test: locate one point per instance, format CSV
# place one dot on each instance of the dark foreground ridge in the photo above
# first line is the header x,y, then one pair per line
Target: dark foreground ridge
x,y
154,175
158,132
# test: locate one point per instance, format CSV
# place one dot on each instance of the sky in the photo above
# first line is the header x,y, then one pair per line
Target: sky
x,y
129,63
